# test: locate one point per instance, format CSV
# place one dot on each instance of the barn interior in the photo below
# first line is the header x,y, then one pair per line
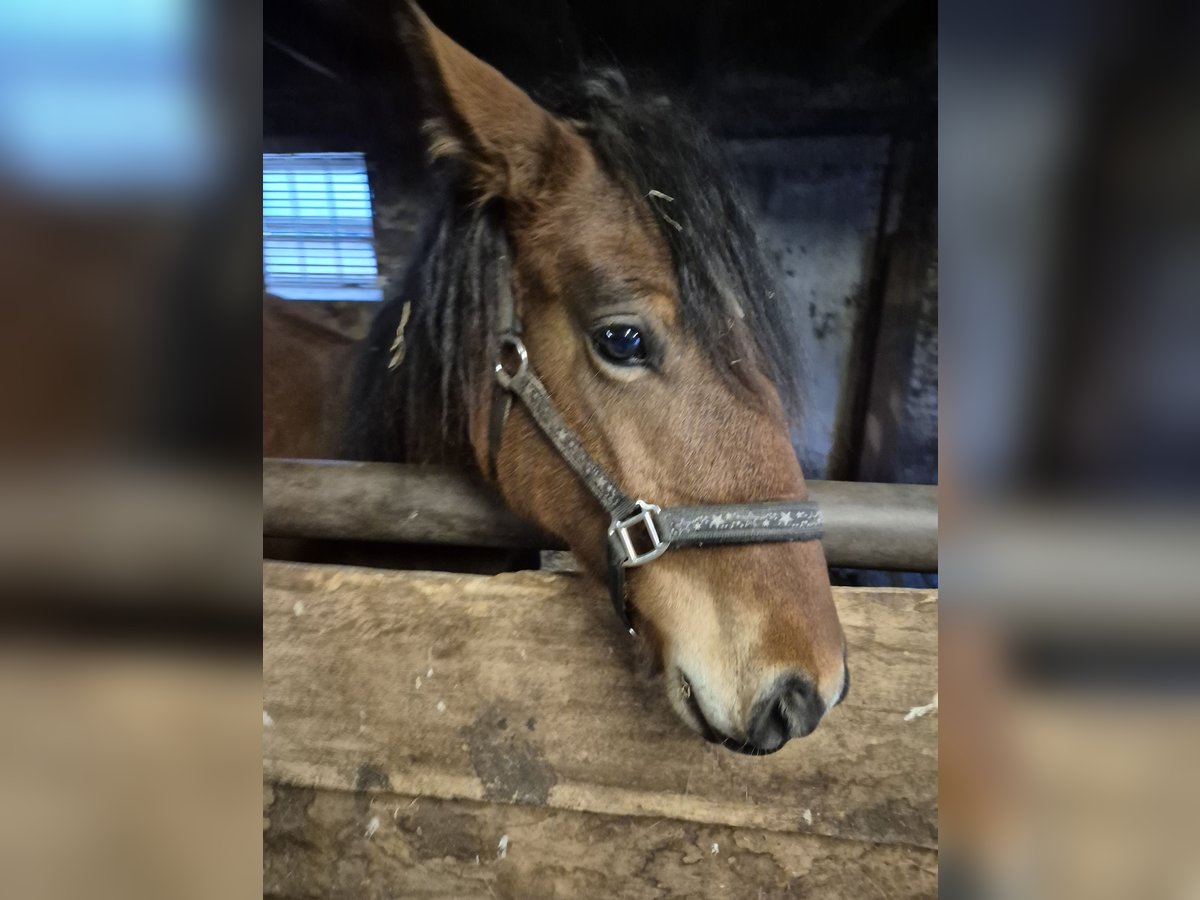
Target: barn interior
x,y
828,112
441,733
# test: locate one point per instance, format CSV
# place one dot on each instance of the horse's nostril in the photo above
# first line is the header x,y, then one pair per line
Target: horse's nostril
x,y
789,708
770,728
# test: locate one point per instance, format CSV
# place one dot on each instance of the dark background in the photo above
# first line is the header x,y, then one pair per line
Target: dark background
x,y
828,110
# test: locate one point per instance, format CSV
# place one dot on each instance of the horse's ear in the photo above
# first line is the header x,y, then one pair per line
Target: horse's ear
x,y
503,138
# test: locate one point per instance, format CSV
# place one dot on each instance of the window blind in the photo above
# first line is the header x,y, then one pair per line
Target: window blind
x,y
318,239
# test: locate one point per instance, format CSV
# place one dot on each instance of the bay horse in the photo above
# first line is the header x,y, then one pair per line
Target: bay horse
x,y
647,309
305,374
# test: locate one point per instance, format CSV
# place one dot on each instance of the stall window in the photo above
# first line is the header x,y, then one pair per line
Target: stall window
x,y
318,239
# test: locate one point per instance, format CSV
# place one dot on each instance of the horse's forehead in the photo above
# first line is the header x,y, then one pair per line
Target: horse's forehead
x,y
599,226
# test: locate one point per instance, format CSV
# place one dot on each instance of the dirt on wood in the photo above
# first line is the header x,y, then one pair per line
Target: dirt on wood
x,y
456,710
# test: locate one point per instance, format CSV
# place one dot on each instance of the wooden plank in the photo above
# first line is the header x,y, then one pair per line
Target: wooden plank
x,y
898,422
520,688
320,843
877,526
388,502
128,765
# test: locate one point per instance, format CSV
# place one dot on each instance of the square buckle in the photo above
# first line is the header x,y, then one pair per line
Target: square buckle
x,y
644,517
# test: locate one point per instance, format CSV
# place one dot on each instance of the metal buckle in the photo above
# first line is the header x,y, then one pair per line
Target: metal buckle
x,y
645,517
510,341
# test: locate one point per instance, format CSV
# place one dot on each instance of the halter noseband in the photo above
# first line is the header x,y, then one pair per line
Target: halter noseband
x,y
640,531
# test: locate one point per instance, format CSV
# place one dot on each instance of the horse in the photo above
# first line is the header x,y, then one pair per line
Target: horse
x,y
306,368
607,223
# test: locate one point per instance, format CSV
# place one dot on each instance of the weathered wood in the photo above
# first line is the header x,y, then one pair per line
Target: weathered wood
x,y
519,689
898,416
378,501
321,844
877,526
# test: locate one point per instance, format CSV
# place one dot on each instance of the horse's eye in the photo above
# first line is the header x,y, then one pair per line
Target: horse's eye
x,y
620,344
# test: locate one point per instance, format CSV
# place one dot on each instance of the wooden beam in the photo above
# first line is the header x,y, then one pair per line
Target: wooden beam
x,y
378,501
874,526
520,689
898,416
321,843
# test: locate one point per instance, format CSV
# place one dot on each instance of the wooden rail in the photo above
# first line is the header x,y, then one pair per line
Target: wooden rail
x,y
457,735
873,526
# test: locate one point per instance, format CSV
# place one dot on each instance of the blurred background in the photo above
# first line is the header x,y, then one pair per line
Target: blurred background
x,y
130,657
1069,178
1068,248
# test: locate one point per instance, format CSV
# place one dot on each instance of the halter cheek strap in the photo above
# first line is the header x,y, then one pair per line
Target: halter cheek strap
x,y
509,329
639,532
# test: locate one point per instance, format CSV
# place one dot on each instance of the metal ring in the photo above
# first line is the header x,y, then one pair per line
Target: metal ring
x,y
517,345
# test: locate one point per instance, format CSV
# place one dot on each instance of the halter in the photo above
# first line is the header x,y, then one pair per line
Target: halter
x,y
640,532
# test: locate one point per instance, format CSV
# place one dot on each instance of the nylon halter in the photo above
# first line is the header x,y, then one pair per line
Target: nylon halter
x,y
640,531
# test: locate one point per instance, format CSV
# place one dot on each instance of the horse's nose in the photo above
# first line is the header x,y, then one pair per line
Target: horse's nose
x,y
790,707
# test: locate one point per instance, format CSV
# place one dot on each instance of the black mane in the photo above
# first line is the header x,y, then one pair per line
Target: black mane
x,y
417,412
